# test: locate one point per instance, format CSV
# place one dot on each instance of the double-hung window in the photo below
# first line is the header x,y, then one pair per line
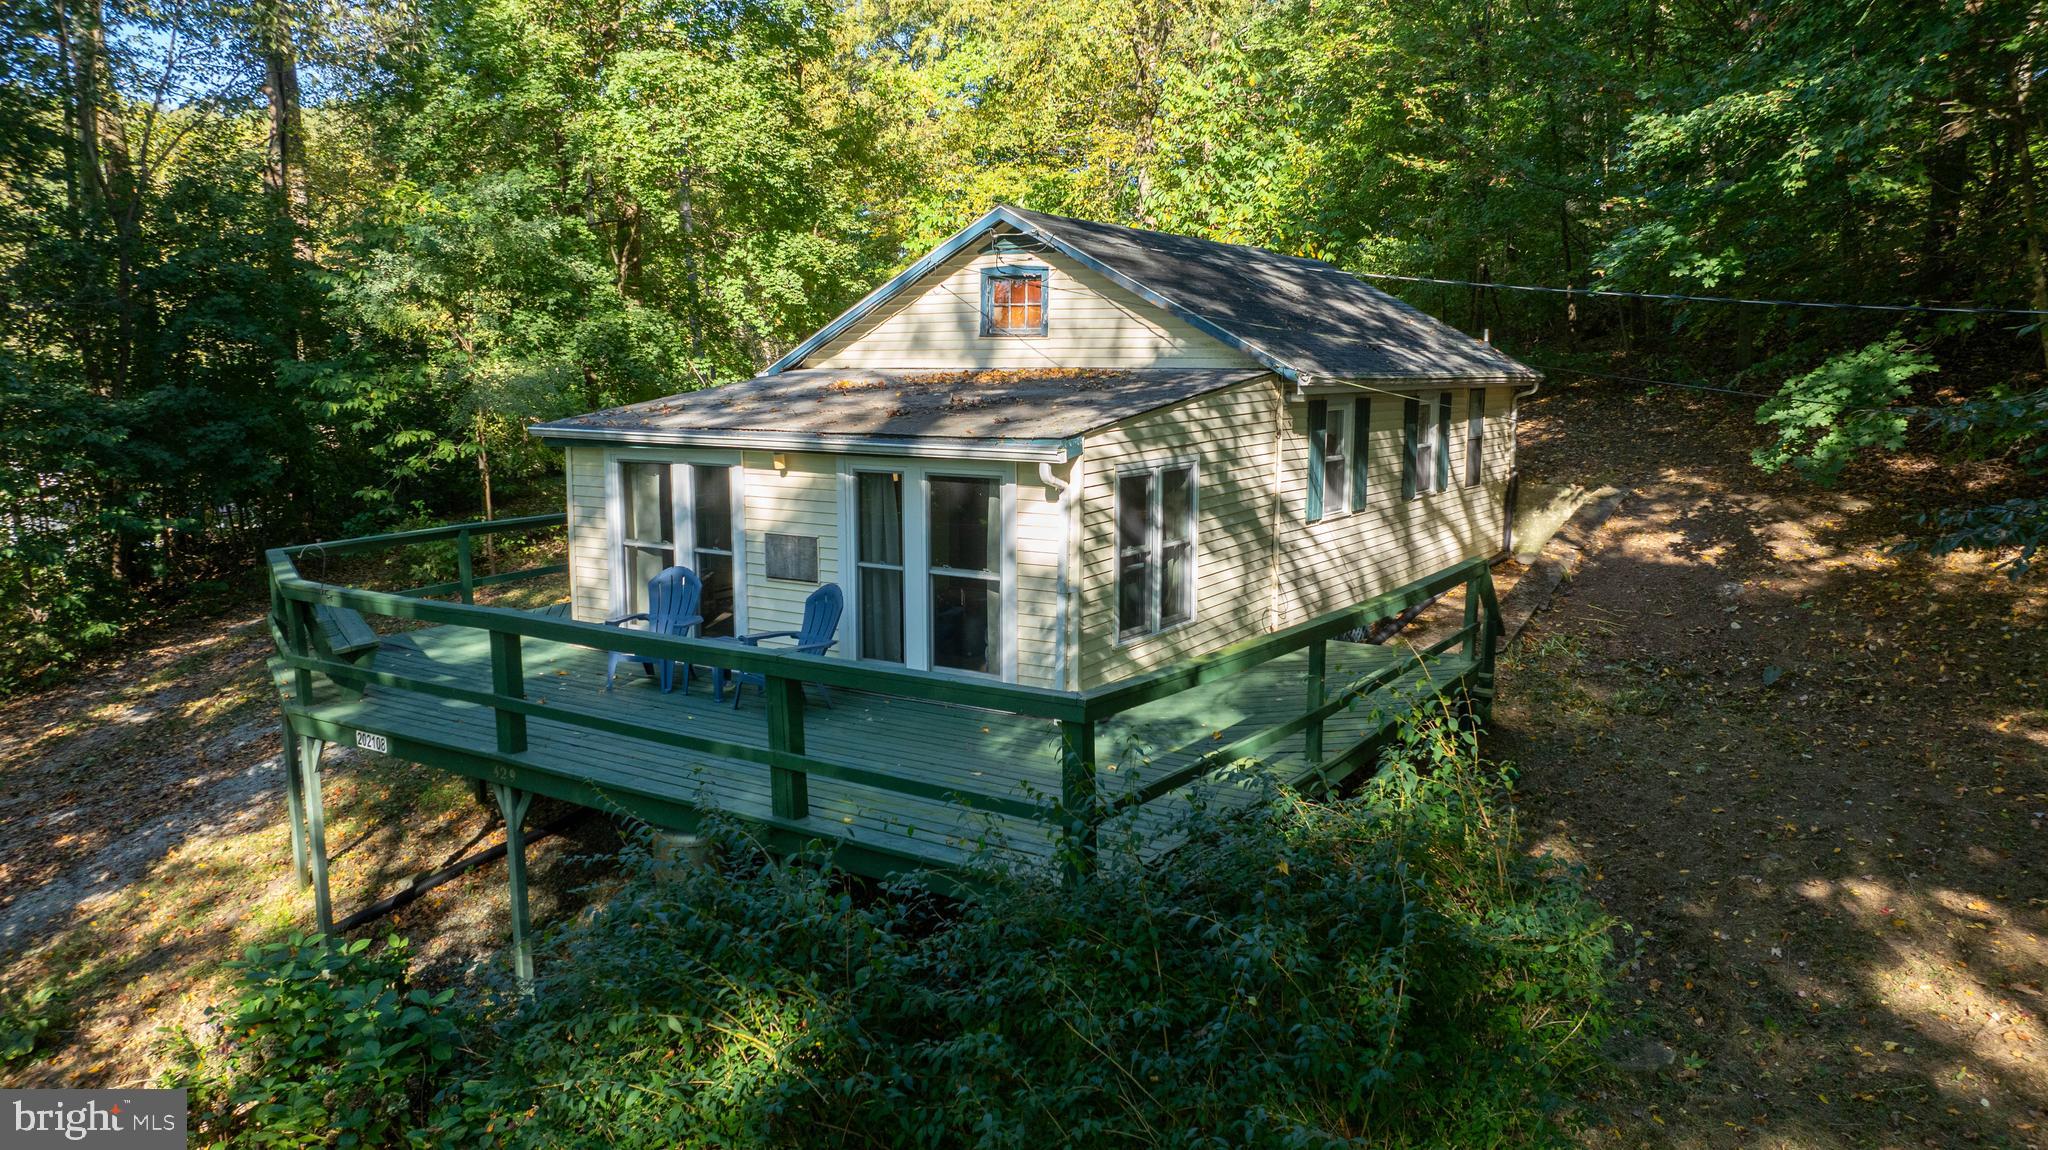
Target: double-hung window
x,y
647,528
1013,301
966,571
878,535
1475,437
1426,428
1155,548
711,546
1337,464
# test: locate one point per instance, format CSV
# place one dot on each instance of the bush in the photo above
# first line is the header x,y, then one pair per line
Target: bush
x,y
326,1046
1842,408
1389,967
24,1020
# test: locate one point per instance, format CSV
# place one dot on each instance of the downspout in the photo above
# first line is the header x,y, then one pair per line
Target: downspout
x,y
1276,519
1507,530
1059,651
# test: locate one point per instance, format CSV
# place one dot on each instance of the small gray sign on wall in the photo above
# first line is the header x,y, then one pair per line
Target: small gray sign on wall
x,y
116,1119
792,557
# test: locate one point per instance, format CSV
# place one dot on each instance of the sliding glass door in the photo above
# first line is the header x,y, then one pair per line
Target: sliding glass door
x,y
929,550
966,573
670,513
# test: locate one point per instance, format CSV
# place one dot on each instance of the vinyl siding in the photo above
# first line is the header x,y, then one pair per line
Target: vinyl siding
x,y
803,500
1259,565
590,572
1230,435
935,324
1349,557
1038,536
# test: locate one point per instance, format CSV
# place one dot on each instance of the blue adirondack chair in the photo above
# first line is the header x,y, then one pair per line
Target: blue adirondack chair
x,y
819,634
673,599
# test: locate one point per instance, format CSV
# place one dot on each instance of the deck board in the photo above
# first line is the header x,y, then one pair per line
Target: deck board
x,y
958,747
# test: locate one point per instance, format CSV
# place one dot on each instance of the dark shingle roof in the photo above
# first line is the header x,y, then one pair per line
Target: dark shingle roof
x,y
1301,315
824,407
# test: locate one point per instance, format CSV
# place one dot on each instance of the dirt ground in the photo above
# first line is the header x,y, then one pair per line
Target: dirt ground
x,y
1809,774
146,847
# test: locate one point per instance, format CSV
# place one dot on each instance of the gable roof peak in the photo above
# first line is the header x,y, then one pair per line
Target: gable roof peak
x,y
1302,318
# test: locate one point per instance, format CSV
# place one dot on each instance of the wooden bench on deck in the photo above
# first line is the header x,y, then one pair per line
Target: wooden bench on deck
x,y
342,634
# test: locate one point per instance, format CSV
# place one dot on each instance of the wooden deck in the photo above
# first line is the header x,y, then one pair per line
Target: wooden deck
x,y
968,751
905,770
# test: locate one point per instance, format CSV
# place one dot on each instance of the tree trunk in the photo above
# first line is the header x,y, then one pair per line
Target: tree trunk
x,y
284,169
483,468
1948,171
109,203
2030,214
285,161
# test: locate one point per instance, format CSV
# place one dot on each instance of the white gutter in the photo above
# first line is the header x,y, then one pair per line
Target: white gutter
x,y
1059,651
1011,450
1334,384
1507,541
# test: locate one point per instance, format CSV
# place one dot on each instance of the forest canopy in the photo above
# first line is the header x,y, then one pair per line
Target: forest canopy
x,y
275,268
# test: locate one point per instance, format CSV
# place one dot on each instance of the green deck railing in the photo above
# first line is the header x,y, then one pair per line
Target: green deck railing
x,y
1079,811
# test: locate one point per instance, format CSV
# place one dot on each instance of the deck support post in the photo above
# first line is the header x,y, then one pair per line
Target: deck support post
x,y
513,803
465,568
310,752
1318,665
1489,641
789,792
508,679
295,805
1472,617
1078,803
298,630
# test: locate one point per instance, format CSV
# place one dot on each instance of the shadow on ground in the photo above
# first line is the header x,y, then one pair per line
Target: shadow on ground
x,y
1812,774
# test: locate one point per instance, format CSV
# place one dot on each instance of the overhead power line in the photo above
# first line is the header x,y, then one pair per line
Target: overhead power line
x,y
1588,293
1795,402
1549,369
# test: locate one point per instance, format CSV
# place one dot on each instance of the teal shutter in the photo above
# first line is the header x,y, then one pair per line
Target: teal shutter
x,y
1475,437
1411,425
1443,441
1318,423
1361,417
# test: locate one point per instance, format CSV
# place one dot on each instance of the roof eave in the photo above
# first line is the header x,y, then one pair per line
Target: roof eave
x,y
914,447
1308,383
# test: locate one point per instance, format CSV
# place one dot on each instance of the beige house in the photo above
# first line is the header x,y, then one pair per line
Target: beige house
x,y
1059,453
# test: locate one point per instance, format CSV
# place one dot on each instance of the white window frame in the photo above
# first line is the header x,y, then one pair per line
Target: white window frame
x,y
1155,547
1475,437
1337,413
917,569
682,527
1428,437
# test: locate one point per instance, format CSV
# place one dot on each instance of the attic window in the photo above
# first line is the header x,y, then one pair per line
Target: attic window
x,y
1013,301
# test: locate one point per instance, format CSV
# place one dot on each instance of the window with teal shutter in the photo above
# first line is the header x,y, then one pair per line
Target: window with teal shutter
x,y
1443,442
1318,423
1361,423
1475,437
